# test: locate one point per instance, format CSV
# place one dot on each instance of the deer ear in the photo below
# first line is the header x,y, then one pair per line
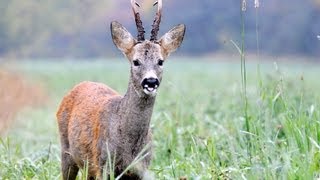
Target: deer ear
x,y
172,39
121,37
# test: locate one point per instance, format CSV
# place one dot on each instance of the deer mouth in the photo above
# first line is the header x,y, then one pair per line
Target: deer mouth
x,y
150,90
150,86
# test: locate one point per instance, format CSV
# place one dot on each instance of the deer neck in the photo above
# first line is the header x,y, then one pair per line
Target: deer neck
x,y
136,115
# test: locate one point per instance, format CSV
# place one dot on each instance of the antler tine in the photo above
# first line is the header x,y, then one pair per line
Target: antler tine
x,y
138,20
156,22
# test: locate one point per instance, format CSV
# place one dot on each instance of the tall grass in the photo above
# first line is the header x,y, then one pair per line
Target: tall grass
x,y
244,78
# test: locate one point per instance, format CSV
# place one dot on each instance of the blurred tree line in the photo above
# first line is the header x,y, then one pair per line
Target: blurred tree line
x,y
80,28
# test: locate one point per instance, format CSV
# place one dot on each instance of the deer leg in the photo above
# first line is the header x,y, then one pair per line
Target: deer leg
x,y
69,167
130,177
91,178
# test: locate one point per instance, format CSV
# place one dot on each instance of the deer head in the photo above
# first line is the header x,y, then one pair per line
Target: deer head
x,y
146,57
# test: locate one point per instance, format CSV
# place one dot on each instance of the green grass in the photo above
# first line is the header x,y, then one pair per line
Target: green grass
x,y
199,128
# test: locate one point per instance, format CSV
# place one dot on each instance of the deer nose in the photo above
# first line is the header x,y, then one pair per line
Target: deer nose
x,y
150,83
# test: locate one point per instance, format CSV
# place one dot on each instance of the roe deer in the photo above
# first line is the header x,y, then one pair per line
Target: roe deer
x,y
94,119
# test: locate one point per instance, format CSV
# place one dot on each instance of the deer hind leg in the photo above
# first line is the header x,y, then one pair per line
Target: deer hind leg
x,y
69,167
130,177
91,178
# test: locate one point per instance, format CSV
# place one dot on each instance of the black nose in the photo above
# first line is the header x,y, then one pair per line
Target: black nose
x,y
150,82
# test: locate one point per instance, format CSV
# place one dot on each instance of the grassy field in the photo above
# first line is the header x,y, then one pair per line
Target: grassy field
x,y
199,127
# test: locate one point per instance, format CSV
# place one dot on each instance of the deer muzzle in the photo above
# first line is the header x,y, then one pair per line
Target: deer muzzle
x,y
150,85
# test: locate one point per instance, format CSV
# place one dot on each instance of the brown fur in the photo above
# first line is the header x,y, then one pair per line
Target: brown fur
x,y
93,118
85,101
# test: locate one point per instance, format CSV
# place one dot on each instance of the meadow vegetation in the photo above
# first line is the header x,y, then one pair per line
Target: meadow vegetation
x,y
199,128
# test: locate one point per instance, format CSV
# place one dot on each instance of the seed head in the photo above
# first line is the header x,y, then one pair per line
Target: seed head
x,y
244,5
256,3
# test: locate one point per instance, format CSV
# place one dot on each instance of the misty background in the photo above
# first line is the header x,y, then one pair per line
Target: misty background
x,y
80,28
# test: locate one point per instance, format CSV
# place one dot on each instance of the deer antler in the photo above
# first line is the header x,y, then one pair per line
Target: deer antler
x,y
138,20
156,22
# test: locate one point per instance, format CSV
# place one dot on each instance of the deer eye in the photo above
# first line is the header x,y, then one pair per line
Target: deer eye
x,y
136,62
160,62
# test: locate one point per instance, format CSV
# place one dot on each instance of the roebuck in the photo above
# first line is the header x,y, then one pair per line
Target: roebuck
x,y
94,119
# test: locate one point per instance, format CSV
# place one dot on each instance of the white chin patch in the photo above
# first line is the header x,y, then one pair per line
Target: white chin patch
x,y
150,90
